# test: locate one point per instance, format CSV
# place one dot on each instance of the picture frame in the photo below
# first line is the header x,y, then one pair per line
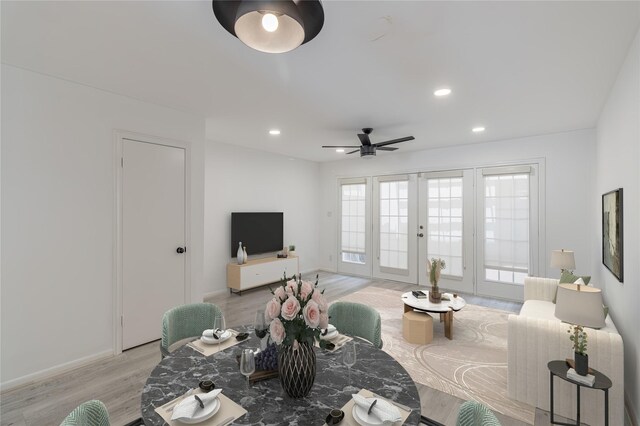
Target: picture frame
x,y
612,241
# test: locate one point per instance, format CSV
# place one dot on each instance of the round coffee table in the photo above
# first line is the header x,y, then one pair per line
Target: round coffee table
x,y
446,308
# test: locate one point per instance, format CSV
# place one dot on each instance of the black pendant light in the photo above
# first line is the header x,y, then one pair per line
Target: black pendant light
x,y
275,26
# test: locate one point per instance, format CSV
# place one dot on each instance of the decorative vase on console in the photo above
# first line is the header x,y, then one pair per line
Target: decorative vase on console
x,y
240,254
579,338
434,266
246,257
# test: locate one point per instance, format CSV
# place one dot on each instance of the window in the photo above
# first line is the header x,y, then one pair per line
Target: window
x,y
444,223
506,227
394,224
353,238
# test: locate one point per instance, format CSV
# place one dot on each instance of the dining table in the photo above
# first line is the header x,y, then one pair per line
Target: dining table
x,y
265,401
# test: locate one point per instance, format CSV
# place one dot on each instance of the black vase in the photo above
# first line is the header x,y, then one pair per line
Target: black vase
x,y
297,369
582,363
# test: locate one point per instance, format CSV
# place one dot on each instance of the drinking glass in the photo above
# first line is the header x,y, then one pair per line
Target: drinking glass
x,y
260,327
349,356
247,363
218,328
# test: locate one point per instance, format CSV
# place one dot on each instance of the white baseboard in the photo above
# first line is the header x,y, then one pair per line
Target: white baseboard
x,y
54,371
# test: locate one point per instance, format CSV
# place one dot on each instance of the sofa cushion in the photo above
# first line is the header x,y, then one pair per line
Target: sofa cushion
x,y
569,278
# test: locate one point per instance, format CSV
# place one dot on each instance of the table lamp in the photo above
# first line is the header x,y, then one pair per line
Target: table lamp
x,y
580,307
563,260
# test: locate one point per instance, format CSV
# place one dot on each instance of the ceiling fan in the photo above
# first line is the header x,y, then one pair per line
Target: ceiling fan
x,y
368,149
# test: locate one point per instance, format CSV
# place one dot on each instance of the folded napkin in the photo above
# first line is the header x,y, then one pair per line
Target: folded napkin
x,y
209,333
189,407
383,410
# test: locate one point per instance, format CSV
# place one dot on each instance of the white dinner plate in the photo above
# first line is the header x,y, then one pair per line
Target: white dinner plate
x,y
362,418
330,336
212,341
207,412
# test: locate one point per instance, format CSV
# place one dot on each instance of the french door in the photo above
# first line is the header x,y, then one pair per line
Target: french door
x,y
394,228
354,226
446,227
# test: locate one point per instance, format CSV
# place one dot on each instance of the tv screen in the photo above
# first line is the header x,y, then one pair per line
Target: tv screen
x,y
258,232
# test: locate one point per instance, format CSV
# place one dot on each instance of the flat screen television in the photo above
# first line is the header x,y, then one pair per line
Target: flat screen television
x,y
258,232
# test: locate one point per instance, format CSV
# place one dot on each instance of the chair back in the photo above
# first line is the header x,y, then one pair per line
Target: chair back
x,y
357,319
186,321
90,413
475,414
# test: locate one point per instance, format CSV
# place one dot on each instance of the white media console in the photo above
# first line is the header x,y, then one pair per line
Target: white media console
x,y
259,272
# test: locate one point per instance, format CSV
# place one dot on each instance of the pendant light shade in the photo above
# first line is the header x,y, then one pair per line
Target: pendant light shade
x,y
271,26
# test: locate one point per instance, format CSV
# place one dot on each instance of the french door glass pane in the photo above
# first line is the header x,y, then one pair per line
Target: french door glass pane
x,y
444,223
506,223
353,223
394,219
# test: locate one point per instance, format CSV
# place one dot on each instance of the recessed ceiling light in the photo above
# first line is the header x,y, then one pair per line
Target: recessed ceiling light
x,y
340,150
477,129
274,132
442,92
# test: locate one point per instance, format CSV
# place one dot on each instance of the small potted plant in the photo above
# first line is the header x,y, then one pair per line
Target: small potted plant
x,y
578,337
292,250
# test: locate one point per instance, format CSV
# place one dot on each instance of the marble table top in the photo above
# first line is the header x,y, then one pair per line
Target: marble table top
x,y
453,304
265,401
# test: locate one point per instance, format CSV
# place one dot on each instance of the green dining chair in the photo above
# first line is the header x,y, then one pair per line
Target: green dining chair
x,y
90,413
475,414
357,319
186,321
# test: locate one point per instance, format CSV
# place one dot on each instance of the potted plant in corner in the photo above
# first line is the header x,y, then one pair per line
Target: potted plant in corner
x,y
578,336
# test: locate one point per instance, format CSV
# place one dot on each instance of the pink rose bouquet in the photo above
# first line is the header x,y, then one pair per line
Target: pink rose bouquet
x,y
297,313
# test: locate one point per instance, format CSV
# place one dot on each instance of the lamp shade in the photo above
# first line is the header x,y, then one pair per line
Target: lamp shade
x,y
580,305
563,259
276,26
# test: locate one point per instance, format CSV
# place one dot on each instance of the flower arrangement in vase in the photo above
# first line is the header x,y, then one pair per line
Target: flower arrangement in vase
x,y
434,267
296,315
578,336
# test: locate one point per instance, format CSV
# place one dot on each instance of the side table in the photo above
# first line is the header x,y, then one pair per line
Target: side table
x,y
560,368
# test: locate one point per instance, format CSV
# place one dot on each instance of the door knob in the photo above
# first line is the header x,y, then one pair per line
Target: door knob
x,y
181,249
421,235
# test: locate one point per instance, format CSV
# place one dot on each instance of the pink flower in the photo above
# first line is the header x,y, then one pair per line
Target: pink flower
x,y
311,314
290,308
305,290
292,287
276,329
320,300
280,293
273,310
324,320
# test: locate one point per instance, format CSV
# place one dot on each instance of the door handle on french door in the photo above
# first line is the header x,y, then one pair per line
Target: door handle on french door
x,y
181,250
421,235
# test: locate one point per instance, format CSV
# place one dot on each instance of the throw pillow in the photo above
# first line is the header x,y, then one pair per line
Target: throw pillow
x,y
568,278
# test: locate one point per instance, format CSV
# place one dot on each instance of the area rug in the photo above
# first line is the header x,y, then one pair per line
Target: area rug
x,y
472,366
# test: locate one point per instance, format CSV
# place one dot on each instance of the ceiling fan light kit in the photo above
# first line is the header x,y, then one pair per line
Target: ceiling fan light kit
x,y
368,149
276,26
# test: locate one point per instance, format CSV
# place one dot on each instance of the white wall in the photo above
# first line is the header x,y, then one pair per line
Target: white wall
x,y
617,165
241,179
569,178
58,216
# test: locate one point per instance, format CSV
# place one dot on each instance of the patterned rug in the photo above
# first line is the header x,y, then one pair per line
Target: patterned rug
x,y
472,366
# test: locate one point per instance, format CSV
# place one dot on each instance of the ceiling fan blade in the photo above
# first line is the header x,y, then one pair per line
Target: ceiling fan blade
x,y
386,148
351,152
340,146
392,141
364,139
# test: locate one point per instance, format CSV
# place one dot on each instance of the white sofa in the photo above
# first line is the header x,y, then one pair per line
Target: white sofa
x,y
536,336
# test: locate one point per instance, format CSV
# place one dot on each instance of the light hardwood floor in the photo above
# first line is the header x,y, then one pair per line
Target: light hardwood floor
x,y
118,381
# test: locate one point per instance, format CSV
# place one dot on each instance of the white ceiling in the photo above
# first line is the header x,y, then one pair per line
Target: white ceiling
x,y
518,68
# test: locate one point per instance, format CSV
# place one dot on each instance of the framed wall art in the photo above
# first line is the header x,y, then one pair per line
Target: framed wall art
x,y
612,244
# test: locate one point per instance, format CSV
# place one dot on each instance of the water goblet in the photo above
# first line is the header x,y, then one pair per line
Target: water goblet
x,y
349,356
247,363
260,327
218,328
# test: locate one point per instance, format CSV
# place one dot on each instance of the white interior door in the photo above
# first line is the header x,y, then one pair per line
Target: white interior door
x,y
395,239
446,223
153,228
